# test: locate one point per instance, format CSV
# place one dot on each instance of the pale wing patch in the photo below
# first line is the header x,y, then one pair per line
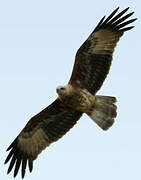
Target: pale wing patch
x,y
33,143
104,41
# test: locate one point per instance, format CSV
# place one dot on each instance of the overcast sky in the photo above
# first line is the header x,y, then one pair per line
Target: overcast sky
x,y
38,42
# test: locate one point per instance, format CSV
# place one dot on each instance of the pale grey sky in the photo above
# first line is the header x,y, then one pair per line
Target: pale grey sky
x,y
38,41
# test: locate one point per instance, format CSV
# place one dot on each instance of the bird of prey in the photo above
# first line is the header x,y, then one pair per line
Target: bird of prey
x,y
92,63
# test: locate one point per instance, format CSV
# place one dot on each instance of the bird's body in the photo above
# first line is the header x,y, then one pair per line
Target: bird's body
x,y
92,64
101,109
76,98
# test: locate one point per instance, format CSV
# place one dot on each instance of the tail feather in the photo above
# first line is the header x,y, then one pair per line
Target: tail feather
x,y
104,111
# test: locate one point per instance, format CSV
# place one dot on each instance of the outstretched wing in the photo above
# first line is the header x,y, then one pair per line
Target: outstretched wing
x,y
43,129
93,58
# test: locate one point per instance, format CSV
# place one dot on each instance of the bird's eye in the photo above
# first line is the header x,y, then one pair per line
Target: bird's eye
x,y
62,88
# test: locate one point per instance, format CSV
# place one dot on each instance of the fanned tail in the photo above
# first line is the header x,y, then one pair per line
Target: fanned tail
x,y
104,111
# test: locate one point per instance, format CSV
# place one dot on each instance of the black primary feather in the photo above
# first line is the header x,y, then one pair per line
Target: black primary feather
x,y
114,22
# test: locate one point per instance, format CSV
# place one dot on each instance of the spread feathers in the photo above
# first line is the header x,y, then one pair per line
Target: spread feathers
x,y
41,130
92,64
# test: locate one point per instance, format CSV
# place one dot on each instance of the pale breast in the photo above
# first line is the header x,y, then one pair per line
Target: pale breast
x,y
86,100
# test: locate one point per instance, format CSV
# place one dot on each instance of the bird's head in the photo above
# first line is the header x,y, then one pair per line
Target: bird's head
x,y
63,90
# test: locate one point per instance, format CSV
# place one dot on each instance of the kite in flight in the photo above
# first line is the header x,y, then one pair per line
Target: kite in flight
x,y
92,63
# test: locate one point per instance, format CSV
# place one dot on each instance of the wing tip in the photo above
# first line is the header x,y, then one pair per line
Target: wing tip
x,y
15,174
14,158
23,174
30,165
12,145
116,9
127,28
9,148
116,22
122,27
126,9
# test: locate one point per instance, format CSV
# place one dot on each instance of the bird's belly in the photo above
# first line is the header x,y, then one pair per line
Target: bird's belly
x,y
81,101
86,100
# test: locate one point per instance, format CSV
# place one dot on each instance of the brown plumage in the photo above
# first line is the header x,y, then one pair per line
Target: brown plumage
x,y
93,58
41,130
92,64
